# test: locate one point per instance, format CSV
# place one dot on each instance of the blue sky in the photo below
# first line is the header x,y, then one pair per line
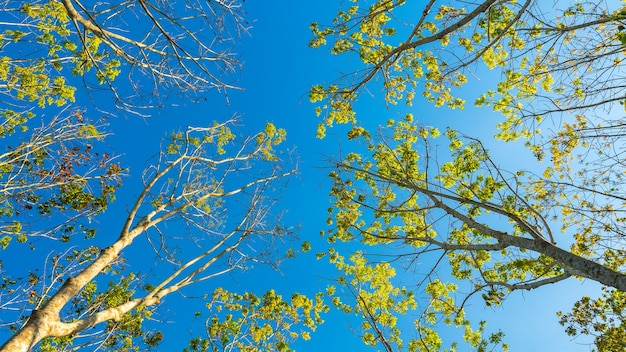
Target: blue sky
x,y
278,71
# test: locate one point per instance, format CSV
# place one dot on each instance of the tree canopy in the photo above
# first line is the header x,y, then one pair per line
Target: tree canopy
x,y
205,207
556,73
424,220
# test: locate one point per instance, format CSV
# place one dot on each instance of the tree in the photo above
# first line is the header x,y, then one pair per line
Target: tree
x,y
205,205
552,61
558,87
193,181
50,46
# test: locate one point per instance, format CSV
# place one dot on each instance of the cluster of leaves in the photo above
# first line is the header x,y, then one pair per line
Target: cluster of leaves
x,y
368,290
246,322
56,168
43,80
392,198
602,317
46,42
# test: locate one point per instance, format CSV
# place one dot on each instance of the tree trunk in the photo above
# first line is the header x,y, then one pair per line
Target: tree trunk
x,y
39,326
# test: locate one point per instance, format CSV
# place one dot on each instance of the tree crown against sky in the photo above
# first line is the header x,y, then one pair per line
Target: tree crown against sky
x,y
205,206
407,190
558,87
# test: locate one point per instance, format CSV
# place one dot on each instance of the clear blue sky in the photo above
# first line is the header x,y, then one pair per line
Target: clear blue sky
x,y
279,69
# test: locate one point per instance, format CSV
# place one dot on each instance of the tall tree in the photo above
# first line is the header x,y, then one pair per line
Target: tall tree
x,y
558,76
196,179
205,205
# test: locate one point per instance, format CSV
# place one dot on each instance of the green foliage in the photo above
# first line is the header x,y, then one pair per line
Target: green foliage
x,y
376,298
12,120
37,80
378,202
246,322
499,234
55,177
46,43
56,52
540,62
603,318
4,241
270,137
387,198
53,344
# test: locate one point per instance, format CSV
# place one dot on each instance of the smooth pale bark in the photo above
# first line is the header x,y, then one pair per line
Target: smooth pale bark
x,y
46,321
